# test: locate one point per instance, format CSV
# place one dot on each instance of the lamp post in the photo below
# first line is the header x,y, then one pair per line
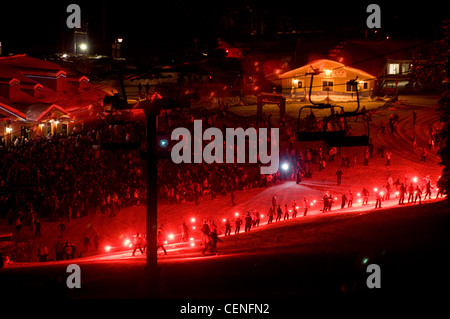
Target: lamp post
x,y
151,109
117,43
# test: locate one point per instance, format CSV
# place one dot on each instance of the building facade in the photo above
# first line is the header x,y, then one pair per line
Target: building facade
x,y
332,79
38,97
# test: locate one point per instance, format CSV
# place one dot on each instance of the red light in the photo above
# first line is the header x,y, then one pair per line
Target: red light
x,y
358,194
171,236
375,189
127,242
414,179
107,248
193,220
236,214
224,220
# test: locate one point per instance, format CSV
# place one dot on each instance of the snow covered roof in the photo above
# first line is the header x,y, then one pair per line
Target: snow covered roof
x,y
323,64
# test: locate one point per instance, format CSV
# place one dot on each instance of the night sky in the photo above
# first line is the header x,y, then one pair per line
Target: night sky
x,y
147,26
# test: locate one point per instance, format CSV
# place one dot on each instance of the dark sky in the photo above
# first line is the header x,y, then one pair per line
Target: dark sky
x,y
40,26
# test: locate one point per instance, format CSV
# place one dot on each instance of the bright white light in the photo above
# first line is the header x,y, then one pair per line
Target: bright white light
x,y
236,214
107,248
171,236
193,220
83,46
285,166
414,179
119,40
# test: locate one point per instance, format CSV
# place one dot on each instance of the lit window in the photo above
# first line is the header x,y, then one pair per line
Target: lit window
x,y
393,68
327,85
405,68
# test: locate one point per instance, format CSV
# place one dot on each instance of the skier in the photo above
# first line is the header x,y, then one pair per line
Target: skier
x,y
410,193
137,243
270,215
279,213
160,242
344,200
286,212
418,193
365,193
402,191
238,223
227,227
248,222
428,190
305,206
294,210
378,200
184,233
350,199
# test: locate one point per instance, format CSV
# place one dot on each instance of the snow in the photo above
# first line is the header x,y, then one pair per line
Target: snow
x,y
405,164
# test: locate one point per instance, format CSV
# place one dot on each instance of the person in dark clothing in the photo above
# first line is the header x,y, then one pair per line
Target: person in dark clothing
x,y
160,242
86,243
37,228
418,195
305,206
402,191
344,200
248,222
232,198
279,213
365,194
59,251
270,215
286,212
410,193
378,200
137,243
428,190
339,176
350,199
227,227
238,224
